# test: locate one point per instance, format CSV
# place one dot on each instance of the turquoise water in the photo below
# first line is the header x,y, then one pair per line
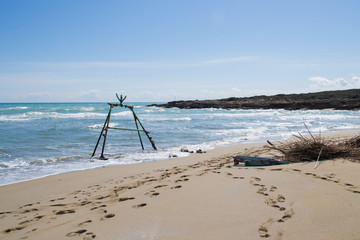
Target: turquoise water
x,y
40,139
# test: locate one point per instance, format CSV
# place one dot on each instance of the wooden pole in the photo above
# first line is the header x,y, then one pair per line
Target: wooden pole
x,y
146,132
101,133
102,157
137,127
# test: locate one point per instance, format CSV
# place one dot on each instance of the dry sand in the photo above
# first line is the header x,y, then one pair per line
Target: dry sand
x,y
202,196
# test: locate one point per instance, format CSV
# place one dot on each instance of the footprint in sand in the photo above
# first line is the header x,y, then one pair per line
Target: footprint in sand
x,y
89,236
262,191
77,233
281,198
83,203
110,215
263,229
58,205
24,222
37,218
65,212
182,180
326,179
331,175
140,205
185,176
14,229
263,232
287,215
84,223
272,203
276,169
101,206
102,197
2,213
152,194
30,210
126,199
27,205
254,181
238,177
155,194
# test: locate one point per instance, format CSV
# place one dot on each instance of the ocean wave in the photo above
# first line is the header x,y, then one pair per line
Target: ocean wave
x,y
2,165
240,114
122,114
14,118
164,119
20,108
40,115
100,126
87,109
153,110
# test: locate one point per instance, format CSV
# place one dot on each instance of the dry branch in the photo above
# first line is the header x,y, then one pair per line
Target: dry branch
x,y
303,149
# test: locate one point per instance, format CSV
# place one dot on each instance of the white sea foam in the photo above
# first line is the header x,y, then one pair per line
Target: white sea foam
x,y
39,115
20,108
153,110
122,114
88,109
168,119
100,126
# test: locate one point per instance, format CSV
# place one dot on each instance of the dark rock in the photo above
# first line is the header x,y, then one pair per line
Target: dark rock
x,y
338,100
184,149
200,151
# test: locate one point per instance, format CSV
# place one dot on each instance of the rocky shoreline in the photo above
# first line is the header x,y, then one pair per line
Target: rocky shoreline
x,y
337,100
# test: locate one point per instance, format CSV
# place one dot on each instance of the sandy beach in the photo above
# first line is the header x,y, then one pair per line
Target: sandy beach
x,y
202,196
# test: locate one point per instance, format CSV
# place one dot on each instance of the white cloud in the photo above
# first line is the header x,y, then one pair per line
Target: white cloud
x,y
337,83
321,81
342,82
356,80
235,89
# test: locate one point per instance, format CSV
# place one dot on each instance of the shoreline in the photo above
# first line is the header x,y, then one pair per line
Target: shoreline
x,y
201,196
330,133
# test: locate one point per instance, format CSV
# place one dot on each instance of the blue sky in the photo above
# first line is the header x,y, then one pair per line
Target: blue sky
x,y
87,50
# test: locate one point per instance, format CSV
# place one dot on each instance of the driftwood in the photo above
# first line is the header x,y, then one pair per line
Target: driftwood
x,y
317,148
106,127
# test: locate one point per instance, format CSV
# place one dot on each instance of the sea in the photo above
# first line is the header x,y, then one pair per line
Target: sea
x,y
42,139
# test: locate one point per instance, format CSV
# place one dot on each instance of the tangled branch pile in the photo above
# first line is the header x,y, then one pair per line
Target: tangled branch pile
x,y
312,148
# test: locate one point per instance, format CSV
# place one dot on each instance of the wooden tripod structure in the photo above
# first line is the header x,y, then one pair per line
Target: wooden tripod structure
x,y
106,127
